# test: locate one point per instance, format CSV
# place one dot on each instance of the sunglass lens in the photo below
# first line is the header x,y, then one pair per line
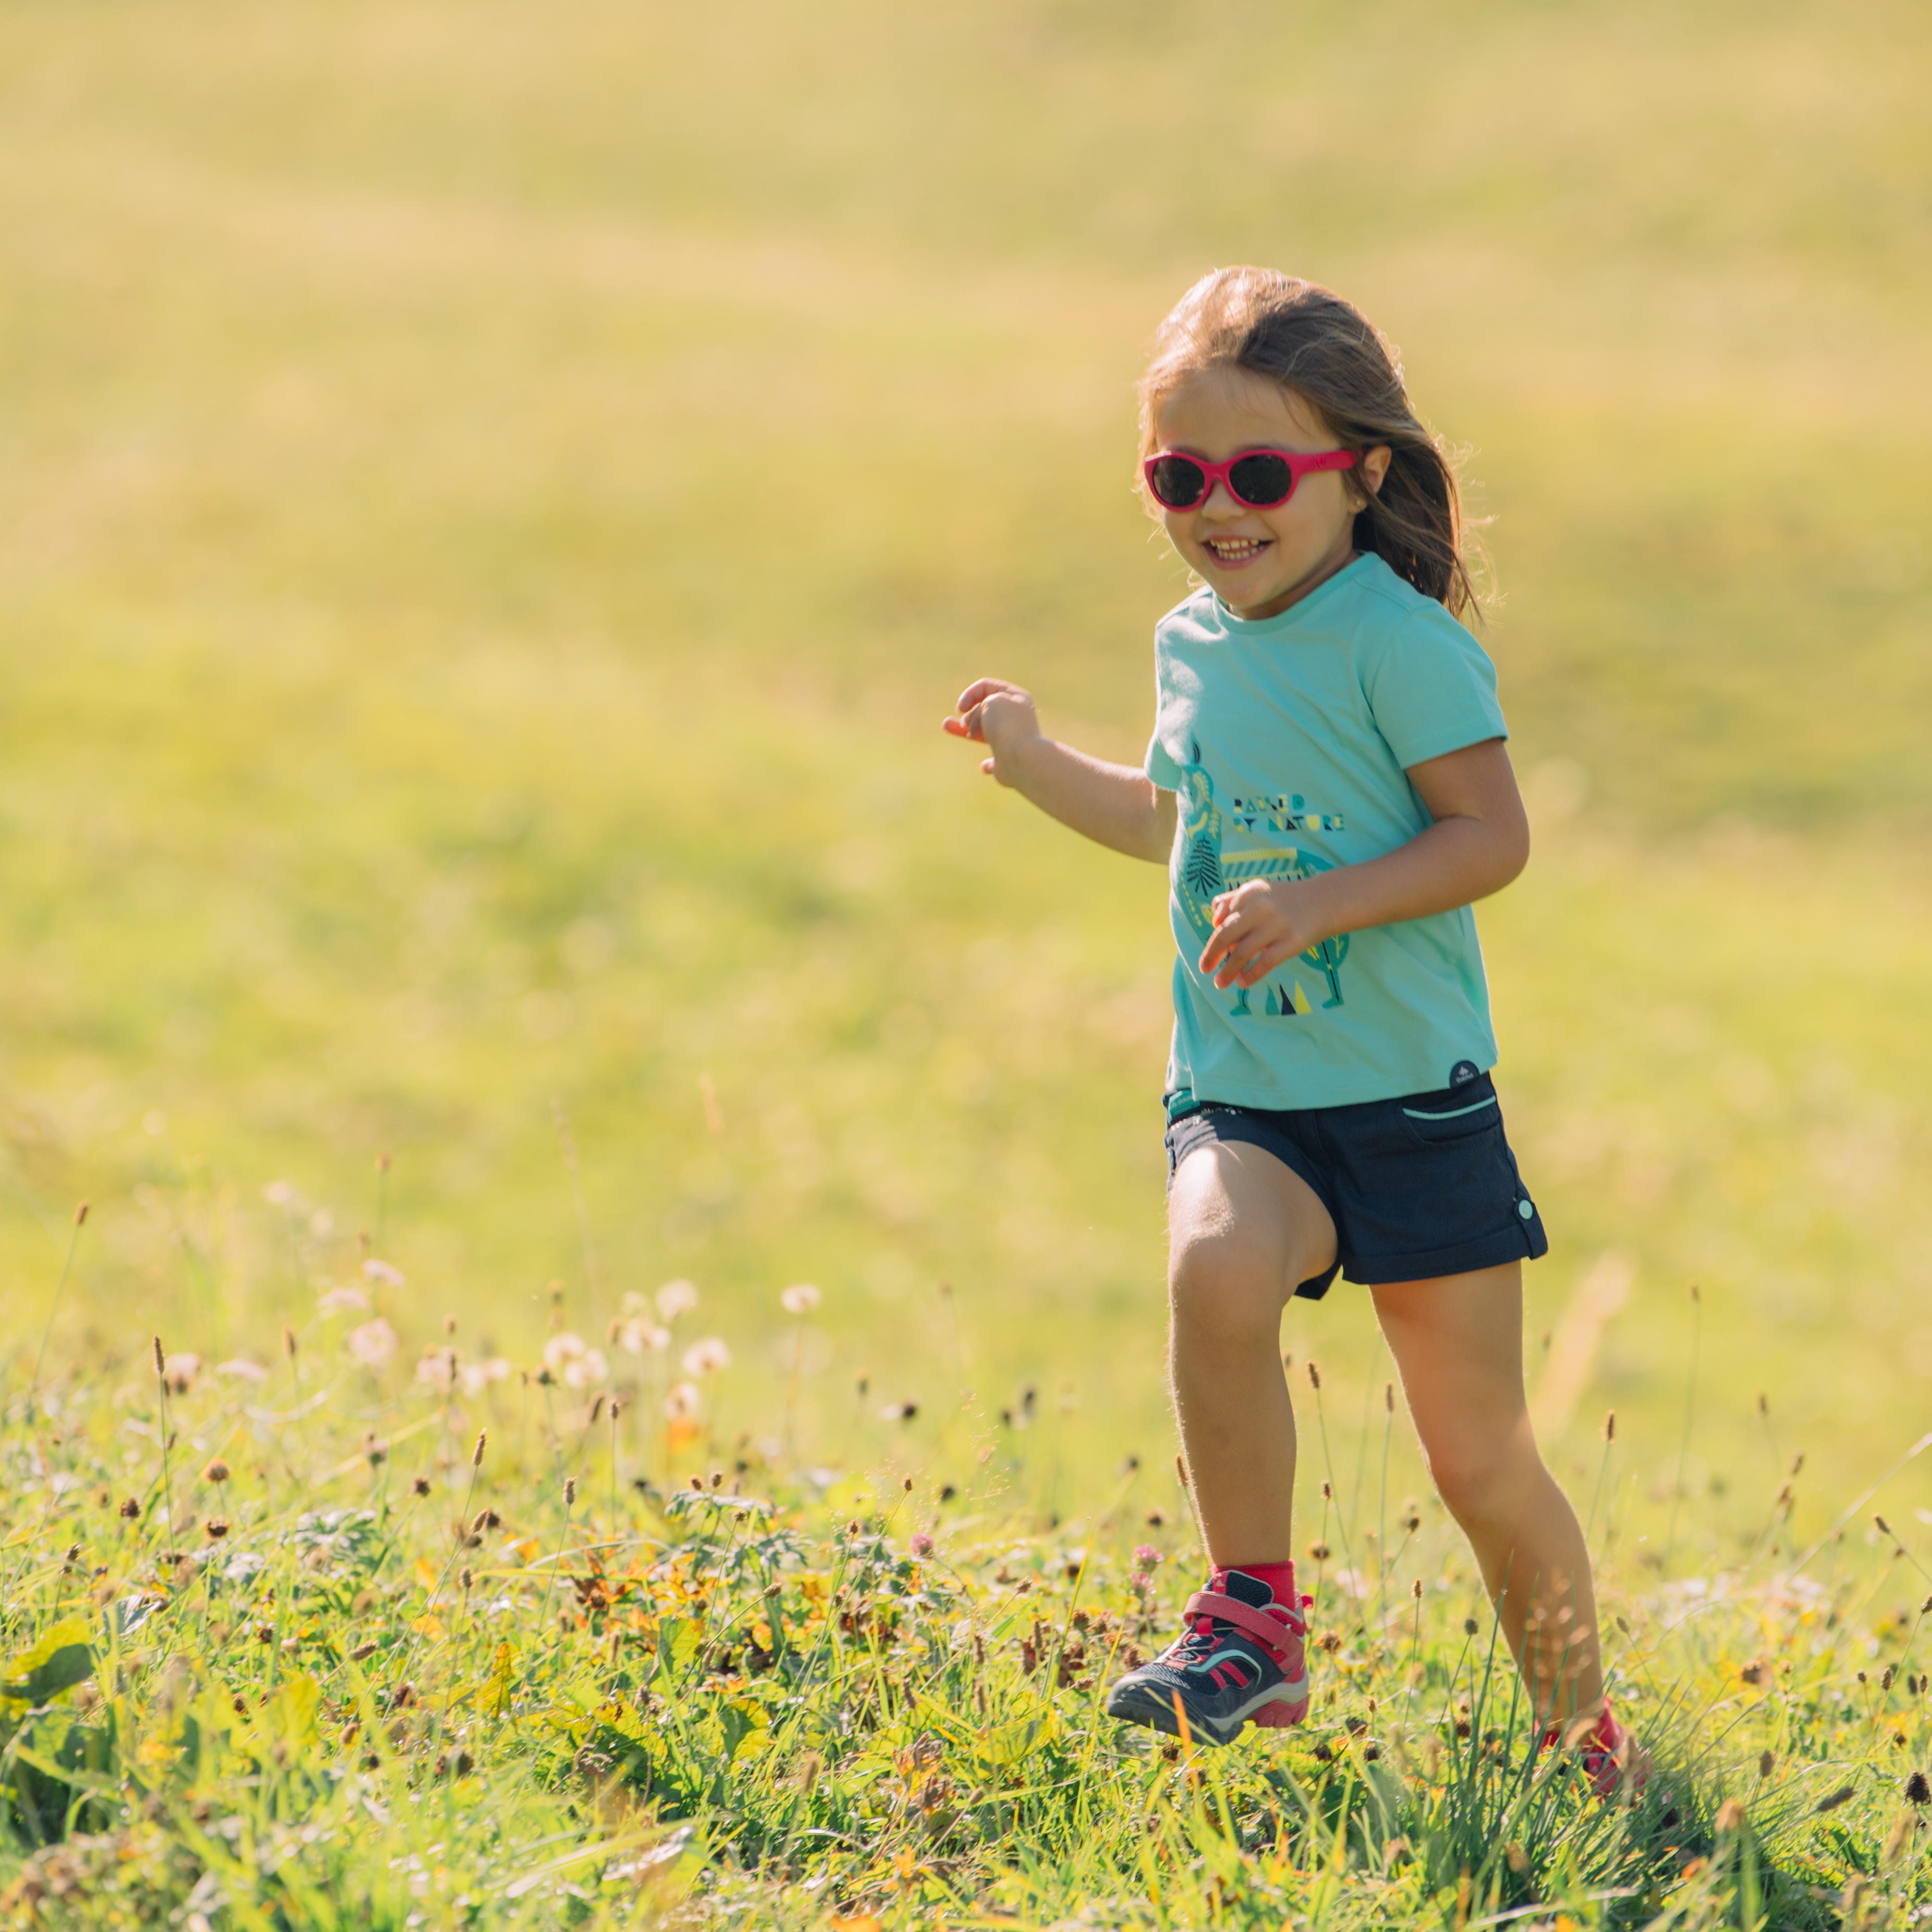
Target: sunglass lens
x,y
1261,480
1177,481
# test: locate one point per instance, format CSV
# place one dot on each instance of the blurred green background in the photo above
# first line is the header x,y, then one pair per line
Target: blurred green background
x,y
495,499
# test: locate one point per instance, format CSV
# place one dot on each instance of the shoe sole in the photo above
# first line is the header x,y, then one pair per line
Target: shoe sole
x,y
1271,1711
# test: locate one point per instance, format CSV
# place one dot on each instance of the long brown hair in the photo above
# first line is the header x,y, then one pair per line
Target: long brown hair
x,y
1309,340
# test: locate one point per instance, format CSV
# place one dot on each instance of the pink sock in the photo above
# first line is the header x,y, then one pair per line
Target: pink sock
x,y
1279,1577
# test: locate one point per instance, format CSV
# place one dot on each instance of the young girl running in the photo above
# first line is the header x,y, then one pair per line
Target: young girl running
x,y
1327,785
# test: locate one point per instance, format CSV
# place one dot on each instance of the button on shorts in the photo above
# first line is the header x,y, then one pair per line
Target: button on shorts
x,y
1420,1186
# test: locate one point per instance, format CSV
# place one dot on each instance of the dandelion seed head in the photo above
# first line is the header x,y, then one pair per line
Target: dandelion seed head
x,y
335,1301
587,1370
373,1344
801,1298
437,1368
564,1346
922,1545
477,1376
675,1298
682,1402
639,1337
375,1269
706,1357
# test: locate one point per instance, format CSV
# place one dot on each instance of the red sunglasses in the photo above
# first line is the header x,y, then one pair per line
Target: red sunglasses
x,y
1258,479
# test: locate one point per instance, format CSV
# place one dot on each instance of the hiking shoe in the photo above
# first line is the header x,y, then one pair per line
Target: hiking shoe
x,y
1239,1661
1606,1753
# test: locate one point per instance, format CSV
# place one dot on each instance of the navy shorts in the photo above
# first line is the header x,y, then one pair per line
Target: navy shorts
x,y
1417,1187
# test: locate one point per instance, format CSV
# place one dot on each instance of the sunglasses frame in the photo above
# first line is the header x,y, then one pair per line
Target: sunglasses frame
x,y
1299,464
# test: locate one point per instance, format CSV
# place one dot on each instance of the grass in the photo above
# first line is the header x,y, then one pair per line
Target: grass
x,y
491,511
378,1649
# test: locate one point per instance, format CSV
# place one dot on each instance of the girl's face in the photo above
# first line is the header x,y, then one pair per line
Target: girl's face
x,y
1260,562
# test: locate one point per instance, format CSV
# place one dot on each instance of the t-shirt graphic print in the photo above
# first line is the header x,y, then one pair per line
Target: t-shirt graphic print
x,y
1286,741
1203,871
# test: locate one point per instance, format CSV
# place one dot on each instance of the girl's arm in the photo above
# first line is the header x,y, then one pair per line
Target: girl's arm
x,y
1480,841
1114,805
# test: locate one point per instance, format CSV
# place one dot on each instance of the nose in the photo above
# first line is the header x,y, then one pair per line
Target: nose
x,y
1219,502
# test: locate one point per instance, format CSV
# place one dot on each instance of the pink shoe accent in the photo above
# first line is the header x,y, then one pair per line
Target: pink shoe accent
x,y
1279,1577
1278,1717
1268,1627
1607,1752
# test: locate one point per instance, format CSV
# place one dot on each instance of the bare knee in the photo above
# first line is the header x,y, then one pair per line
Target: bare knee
x,y
1483,1474
1222,1286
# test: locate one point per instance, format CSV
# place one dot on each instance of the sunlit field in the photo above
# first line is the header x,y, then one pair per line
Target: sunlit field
x,y
493,504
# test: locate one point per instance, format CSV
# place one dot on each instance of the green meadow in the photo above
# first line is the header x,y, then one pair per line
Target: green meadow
x,y
494,502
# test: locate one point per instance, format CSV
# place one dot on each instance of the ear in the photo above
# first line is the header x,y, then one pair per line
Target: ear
x,y
1368,474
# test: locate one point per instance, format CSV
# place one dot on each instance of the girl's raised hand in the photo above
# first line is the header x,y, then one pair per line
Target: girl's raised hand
x,y
1257,927
996,714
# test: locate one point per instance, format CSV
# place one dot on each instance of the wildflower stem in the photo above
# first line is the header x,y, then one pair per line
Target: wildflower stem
x,y
167,1485
1327,1458
1382,1507
563,1536
53,1308
569,1140
617,1410
1602,1469
1690,1412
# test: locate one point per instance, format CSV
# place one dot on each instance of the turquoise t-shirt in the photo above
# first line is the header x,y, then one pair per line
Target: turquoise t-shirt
x,y
1287,739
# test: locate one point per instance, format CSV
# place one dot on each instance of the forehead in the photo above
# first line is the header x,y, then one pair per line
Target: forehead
x,y
1216,412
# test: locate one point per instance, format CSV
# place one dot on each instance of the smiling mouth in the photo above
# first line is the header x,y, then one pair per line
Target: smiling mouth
x,y
1232,551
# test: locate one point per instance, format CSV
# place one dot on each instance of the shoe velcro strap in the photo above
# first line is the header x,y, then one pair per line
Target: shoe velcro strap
x,y
1269,1630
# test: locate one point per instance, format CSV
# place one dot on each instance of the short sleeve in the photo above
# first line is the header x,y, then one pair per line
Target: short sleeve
x,y
1160,766
1431,688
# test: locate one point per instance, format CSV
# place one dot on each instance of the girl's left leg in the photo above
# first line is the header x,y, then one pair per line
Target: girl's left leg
x,y
1458,1343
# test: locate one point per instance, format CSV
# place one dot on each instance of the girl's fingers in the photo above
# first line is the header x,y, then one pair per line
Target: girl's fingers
x,y
981,689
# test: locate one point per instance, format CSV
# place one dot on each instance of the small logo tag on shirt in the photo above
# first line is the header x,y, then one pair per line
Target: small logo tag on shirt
x,y
1463,1072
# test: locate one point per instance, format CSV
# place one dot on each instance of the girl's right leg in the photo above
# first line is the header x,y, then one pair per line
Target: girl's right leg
x,y
1245,1230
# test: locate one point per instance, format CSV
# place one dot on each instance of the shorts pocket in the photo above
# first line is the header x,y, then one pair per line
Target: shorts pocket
x,y
1436,1124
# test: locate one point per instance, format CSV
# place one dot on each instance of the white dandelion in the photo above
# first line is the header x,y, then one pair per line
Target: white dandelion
x,y
675,1298
706,1357
373,1344
586,1370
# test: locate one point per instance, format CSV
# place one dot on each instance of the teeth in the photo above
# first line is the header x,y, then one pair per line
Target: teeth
x,y
1235,549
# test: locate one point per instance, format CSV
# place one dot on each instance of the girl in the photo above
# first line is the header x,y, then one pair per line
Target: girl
x,y
1327,785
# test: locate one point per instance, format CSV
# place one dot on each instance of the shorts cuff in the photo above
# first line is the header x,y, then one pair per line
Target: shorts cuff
x,y
1524,1242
